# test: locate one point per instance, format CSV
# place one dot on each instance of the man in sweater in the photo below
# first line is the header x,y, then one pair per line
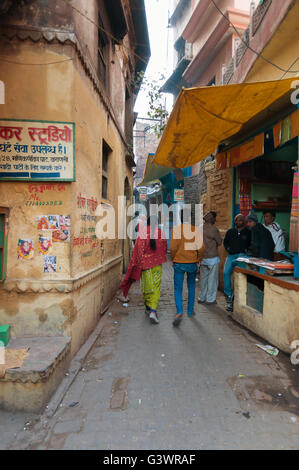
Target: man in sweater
x,y
262,244
186,250
209,267
236,242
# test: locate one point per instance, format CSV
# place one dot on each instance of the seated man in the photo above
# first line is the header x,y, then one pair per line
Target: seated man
x,y
236,242
276,232
262,244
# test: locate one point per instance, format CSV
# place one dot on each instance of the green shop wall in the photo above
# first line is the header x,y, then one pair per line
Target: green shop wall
x,y
262,191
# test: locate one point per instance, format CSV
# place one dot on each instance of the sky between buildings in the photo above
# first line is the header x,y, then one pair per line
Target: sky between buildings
x,y
161,48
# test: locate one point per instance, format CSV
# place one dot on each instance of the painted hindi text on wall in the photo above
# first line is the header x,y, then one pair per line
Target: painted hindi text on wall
x,y
37,150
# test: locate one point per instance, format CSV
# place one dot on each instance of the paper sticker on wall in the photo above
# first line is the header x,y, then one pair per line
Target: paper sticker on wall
x,y
25,249
42,222
63,234
53,222
50,264
45,245
65,222
48,222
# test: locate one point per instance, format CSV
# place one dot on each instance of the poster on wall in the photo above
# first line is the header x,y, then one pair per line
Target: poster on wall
x,y
63,234
48,222
65,222
25,249
37,150
179,195
50,264
45,245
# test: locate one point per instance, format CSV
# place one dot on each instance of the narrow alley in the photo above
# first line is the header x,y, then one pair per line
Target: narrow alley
x,y
204,385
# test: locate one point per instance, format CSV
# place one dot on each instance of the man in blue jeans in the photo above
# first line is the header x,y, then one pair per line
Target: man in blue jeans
x,y
186,250
236,242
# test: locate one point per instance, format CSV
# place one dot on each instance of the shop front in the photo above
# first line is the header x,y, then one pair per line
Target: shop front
x,y
265,171
255,129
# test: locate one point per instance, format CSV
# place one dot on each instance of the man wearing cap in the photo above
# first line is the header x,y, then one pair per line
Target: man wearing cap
x,y
209,267
262,244
236,242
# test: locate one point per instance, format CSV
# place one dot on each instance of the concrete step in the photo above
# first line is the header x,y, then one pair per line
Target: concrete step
x,y
30,387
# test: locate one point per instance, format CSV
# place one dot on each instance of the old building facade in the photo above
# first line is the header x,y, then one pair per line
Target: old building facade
x,y
268,22
66,140
204,43
255,167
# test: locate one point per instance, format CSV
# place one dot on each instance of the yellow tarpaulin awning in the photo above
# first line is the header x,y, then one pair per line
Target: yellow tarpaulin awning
x,y
202,118
153,171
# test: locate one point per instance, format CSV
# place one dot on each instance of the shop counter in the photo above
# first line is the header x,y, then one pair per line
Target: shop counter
x,y
267,305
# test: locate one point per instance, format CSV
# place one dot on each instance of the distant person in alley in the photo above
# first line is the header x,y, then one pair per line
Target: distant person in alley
x,y
236,242
186,250
209,267
148,255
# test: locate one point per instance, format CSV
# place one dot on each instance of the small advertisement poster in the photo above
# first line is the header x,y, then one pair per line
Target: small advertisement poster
x,y
48,222
63,234
45,245
179,195
25,249
50,264
37,150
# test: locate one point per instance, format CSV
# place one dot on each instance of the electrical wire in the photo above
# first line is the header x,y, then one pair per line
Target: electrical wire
x,y
287,71
31,64
253,50
105,31
98,27
95,24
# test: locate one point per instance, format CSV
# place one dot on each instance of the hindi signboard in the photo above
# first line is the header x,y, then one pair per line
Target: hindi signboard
x,y
37,150
179,195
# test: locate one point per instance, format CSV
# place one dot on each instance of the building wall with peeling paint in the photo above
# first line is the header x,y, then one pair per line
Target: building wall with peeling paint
x,y
69,301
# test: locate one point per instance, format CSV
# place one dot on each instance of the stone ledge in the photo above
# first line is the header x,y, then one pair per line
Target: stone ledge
x,y
60,286
45,353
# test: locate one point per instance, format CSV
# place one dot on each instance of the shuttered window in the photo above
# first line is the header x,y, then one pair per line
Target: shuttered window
x,y
106,152
3,238
2,222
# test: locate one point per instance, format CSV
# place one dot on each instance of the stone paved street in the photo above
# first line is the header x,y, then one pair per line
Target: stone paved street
x,y
204,385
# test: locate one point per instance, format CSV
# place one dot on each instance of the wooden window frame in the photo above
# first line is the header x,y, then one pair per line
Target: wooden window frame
x,y
106,152
3,243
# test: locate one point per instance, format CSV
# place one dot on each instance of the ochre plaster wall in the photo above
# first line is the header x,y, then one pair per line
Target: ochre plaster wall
x,y
69,301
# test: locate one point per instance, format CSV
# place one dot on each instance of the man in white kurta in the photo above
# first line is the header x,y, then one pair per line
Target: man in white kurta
x,y
276,231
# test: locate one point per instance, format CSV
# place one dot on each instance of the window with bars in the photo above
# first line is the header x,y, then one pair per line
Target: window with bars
x,y
106,152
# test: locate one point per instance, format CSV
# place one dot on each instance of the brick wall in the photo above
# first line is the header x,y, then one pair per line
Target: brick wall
x,y
192,193
145,142
218,197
